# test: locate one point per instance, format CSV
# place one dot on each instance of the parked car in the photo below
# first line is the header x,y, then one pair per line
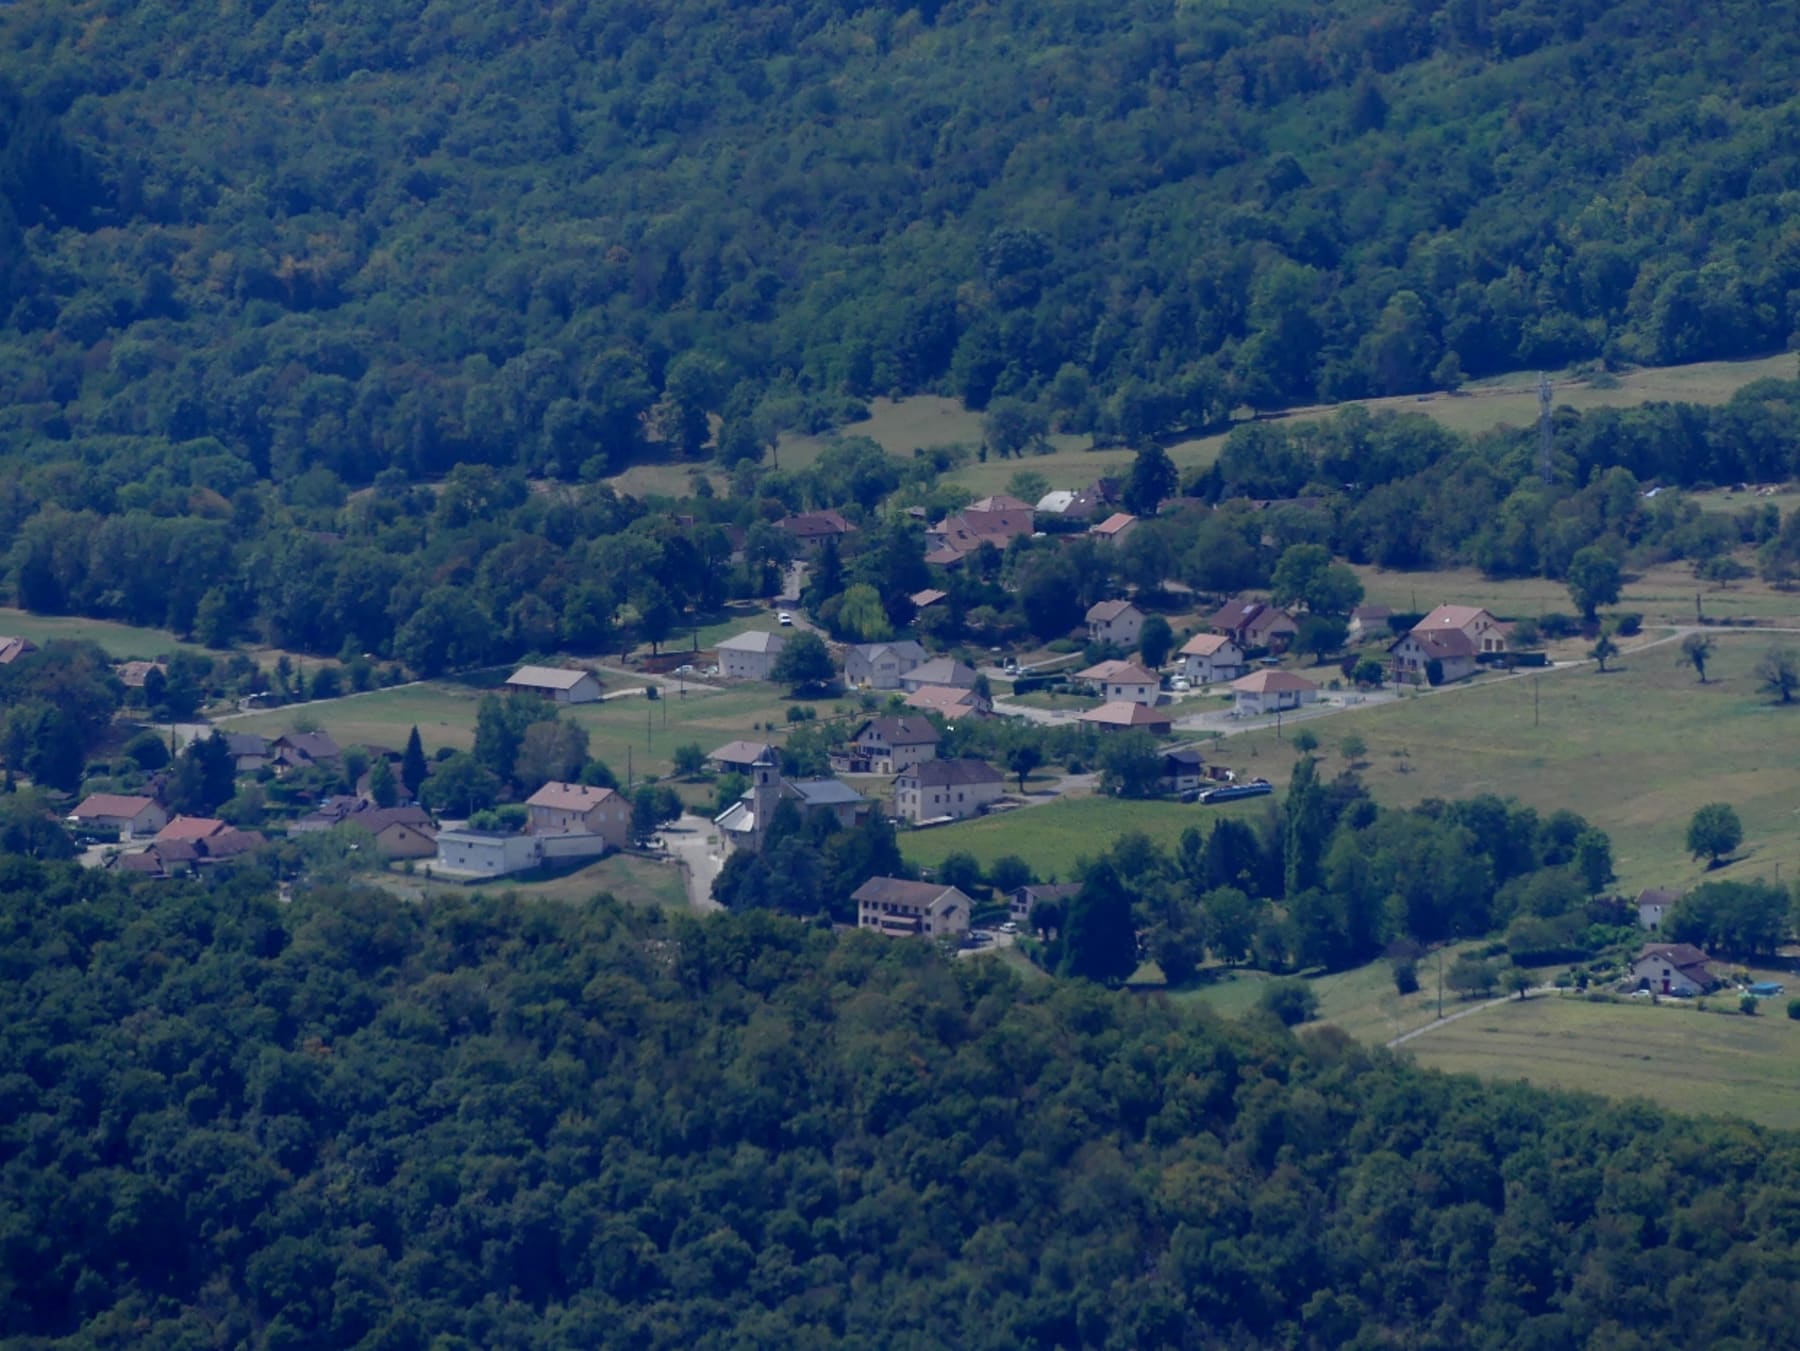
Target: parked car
x,y
1009,927
1231,792
785,619
1194,794
1180,684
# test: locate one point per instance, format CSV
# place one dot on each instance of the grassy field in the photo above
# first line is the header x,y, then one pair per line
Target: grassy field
x,y
633,880
1664,593
1054,836
929,420
121,641
634,730
1723,1063
1363,1002
1636,751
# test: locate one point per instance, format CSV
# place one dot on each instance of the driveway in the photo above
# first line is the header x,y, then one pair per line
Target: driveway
x,y
694,842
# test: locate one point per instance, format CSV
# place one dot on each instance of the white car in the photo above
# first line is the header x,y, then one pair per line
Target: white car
x,y
785,619
1180,685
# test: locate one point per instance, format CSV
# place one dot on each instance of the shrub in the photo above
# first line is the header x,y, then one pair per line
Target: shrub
x,y
1747,1005
1628,623
1558,625
1406,977
1292,1001
1794,1009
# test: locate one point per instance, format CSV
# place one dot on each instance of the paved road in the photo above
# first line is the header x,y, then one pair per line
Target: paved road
x,y
691,839
1449,1018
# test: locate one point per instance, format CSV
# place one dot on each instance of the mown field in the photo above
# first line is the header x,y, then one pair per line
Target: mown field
x,y
1636,751
1686,1060
928,421
1363,1002
630,730
1053,837
1661,594
627,878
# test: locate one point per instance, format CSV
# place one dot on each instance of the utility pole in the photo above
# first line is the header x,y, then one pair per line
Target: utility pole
x,y
1440,982
1544,427
1535,682
628,766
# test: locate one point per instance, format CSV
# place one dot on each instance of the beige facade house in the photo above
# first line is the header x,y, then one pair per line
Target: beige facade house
x,y
1115,527
1126,680
750,655
900,909
1207,657
1264,692
1485,633
1451,649
946,789
133,817
1115,621
1122,715
558,683
578,809
949,702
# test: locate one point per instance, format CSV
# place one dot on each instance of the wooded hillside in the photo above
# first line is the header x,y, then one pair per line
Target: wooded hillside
x,y
286,236
486,1124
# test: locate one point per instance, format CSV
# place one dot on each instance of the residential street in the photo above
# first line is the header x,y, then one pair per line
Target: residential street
x,y
690,840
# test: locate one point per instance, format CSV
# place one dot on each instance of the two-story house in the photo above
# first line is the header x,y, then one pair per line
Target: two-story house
x,y
887,746
1451,649
1207,657
879,666
578,809
1115,621
750,655
1486,634
889,905
1123,680
937,789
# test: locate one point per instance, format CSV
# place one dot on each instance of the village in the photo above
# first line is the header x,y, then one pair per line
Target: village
x,y
1125,687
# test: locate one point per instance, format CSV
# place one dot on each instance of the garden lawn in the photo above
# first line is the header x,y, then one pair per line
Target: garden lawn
x,y
1704,1063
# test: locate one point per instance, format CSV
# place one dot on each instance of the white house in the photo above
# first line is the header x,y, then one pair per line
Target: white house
x,y
1270,691
1115,621
555,682
1673,968
133,817
1653,906
1207,657
946,788
750,655
485,853
888,905
1124,681
879,666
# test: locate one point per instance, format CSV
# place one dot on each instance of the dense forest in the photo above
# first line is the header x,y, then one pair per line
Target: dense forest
x,y
286,237
498,1124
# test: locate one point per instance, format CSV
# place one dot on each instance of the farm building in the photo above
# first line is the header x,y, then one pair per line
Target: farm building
x,y
563,685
